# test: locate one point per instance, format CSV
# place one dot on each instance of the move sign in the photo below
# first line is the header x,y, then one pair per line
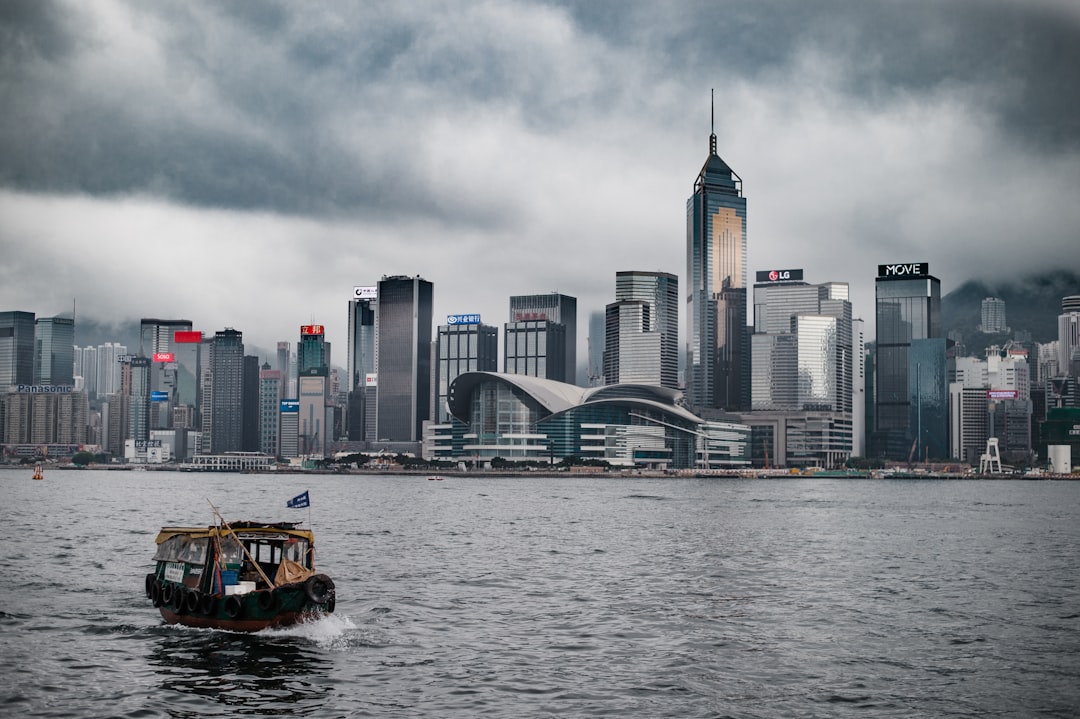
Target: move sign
x,y
911,269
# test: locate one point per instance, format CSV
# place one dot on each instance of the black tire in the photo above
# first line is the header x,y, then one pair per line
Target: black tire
x,y
234,606
179,600
267,600
191,602
319,588
166,593
150,579
331,604
207,604
155,595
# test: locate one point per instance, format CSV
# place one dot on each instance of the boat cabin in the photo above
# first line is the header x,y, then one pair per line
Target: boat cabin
x,y
251,556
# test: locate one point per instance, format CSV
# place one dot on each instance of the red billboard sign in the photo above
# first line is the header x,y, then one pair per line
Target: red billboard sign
x,y
182,336
311,329
164,357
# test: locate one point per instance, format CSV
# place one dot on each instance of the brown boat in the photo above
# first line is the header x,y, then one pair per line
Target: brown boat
x,y
242,576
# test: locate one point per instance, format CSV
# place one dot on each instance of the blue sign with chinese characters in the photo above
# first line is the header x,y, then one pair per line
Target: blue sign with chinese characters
x,y
463,319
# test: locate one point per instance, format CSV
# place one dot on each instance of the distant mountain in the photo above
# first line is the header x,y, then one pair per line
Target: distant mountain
x,y
89,333
1032,304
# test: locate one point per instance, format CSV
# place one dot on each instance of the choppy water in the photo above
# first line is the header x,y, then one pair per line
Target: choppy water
x,y
483,596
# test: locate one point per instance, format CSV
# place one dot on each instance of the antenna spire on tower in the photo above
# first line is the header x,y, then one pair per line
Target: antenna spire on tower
x,y
712,121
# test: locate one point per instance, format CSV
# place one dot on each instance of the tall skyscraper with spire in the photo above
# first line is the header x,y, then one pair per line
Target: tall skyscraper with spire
x,y
717,364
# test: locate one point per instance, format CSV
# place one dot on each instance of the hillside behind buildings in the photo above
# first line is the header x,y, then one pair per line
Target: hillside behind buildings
x,y
1032,304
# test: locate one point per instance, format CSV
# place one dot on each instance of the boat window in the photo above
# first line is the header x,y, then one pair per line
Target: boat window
x,y
194,551
264,553
181,548
230,550
296,550
171,549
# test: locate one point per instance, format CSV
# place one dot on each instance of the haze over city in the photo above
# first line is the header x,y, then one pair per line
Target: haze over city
x,y
247,165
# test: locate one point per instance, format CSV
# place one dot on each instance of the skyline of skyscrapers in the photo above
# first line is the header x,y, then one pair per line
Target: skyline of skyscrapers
x,y
794,378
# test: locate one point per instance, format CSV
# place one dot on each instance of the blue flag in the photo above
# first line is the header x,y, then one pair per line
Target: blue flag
x,y
299,501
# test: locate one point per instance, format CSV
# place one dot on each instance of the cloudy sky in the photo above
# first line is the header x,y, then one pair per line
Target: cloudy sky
x,y
247,164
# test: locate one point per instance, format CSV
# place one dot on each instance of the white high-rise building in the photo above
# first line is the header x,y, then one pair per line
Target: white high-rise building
x,y
86,366
993,316
1069,336
1010,372
971,372
1045,365
858,388
641,339
108,367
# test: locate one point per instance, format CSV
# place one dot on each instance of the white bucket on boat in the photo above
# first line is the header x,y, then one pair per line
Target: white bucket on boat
x,y
239,588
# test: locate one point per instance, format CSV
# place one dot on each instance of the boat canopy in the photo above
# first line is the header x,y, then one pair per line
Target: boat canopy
x,y
253,530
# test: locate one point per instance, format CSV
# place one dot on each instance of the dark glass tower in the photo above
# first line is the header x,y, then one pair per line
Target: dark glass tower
x,y
226,391
530,315
716,360
16,349
403,364
54,351
908,301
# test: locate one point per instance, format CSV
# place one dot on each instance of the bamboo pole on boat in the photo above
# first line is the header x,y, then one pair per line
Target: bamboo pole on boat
x,y
242,547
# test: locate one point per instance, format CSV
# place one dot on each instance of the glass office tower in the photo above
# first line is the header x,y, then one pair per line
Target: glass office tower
x,y
16,349
403,362
54,350
226,391
908,303
464,344
717,364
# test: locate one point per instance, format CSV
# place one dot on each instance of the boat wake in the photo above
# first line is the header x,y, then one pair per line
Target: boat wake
x,y
332,631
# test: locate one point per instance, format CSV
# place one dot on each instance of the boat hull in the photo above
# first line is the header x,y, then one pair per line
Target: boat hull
x,y
284,619
283,606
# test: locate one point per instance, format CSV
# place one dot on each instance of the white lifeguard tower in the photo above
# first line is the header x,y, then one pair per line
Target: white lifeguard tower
x,y
990,461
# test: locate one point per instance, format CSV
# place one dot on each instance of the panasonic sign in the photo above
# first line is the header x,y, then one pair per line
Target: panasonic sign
x,y
911,269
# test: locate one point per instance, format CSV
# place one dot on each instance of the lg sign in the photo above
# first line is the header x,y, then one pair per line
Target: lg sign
x,y
912,269
779,275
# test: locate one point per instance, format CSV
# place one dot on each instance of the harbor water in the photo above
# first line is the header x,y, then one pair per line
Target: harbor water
x,y
486,596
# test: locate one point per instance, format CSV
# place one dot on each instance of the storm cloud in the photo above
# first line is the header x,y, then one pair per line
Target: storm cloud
x,y
246,164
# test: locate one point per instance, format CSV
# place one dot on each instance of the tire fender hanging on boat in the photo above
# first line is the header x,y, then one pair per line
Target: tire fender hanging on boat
x,y
234,606
207,603
267,600
319,588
